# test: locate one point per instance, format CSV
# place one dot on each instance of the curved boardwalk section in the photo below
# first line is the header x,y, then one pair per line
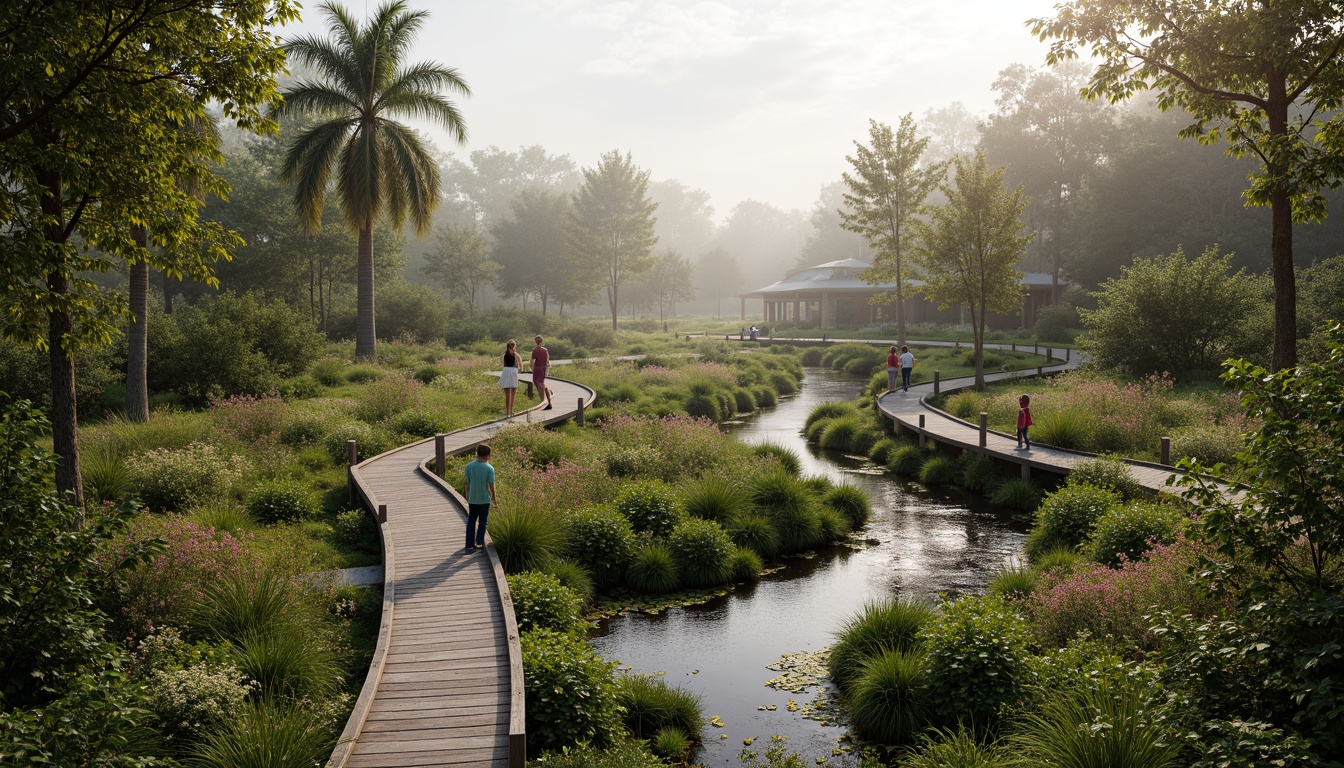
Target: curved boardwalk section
x,y
445,685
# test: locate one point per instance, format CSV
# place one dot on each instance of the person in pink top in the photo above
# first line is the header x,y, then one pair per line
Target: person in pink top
x,y
1023,423
893,368
541,360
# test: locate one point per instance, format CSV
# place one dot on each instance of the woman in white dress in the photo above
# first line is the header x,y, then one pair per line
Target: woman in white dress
x,y
508,377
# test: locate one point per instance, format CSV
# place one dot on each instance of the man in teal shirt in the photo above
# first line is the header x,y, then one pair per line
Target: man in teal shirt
x,y
480,491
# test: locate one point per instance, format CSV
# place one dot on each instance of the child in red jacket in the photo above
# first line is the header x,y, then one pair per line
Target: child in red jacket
x,y
1023,422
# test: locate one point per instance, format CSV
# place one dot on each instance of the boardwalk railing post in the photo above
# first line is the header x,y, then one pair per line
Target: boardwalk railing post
x,y
1014,346
529,390
578,418
936,382
440,461
1026,471
921,430
1035,349
352,458
984,429
1038,370
382,513
1166,452
1049,354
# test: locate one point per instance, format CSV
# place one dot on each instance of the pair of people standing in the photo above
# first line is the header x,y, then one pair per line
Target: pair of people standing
x,y
508,377
903,363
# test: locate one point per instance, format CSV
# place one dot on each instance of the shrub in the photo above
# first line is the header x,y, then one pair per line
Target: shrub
x,y
790,507
888,698
633,461
387,397
631,753
745,565
281,501
785,456
958,749
418,422
572,575
541,601
653,570
356,528
907,460
369,441
191,701
881,450
938,470
978,658
713,498
304,427
702,550
1210,444
650,704
650,506
172,480
328,372
1063,428
1065,517
601,540
1017,494
249,418
1106,725
754,531
892,625
268,734
363,373
1127,531
526,538
851,502
1107,472
570,694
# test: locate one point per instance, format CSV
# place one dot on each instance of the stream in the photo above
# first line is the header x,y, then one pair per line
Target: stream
x,y
918,543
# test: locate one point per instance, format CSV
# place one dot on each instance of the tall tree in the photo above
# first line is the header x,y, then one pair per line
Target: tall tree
x,y
671,279
611,234
492,178
764,239
718,276
886,190
829,240
382,166
969,249
1257,74
685,217
531,250
461,262
90,87
952,130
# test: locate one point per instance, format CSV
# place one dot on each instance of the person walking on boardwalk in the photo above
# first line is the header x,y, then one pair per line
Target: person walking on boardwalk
x,y
1023,423
541,360
508,377
893,368
480,492
907,365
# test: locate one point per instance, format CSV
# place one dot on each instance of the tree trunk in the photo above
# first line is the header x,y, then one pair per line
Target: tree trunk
x,y
137,357
64,422
978,326
1285,281
612,298
900,304
366,340
167,294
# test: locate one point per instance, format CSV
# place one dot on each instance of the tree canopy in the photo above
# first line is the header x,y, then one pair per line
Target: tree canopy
x,y
611,235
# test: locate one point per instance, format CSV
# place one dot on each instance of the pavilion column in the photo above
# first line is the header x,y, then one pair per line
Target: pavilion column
x,y
744,308
797,311
825,310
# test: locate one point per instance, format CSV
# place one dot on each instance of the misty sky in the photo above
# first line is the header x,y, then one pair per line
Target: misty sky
x,y
742,98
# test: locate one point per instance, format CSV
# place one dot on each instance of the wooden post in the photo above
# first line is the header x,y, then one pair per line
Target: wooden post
x,y
1026,471
1038,370
529,385
1166,452
440,461
382,513
984,429
936,382
1049,354
578,419
352,455
921,430
1035,348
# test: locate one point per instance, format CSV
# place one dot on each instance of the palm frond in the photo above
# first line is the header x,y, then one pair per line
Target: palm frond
x,y
307,163
332,61
314,98
362,193
425,105
418,174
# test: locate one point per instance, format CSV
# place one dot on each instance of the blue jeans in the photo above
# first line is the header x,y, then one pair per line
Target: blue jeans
x,y
905,378
1022,437
477,515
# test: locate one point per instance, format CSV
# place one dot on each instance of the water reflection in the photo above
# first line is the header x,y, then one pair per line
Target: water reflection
x,y
921,543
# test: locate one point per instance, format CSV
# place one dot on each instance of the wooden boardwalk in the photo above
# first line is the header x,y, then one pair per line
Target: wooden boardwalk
x,y
445,685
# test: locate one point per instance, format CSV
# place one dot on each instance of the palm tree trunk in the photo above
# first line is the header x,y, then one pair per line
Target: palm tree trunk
x,y
366,340
137,357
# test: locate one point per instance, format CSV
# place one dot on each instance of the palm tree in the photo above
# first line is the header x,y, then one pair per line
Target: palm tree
x,y
360,81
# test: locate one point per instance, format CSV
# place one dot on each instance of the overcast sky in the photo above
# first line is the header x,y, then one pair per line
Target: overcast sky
x,y
744,99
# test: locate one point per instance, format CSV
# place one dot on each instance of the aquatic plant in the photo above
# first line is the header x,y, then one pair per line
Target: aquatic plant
x,y
650,704
834,524
851,502
671,743
879,451
755,531
653,570
702,551
887,701
891,625
938,470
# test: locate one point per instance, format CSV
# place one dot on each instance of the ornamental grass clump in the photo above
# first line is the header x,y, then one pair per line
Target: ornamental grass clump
x,y
601,540
570,693
892,625
977,474
1065,517
703,552
834,525
1127,531
573,576
653,570
1069,428
978,659
755,531
244,602
880,450
290,663
1119,725
830,410
959,748
268,734
650,704
851,502
369,440
784,456
889,698
745,565
387,397
938,470
541,601
791,509
650,506
671,744
1016,493
713,498
907,460
1013,581
525,538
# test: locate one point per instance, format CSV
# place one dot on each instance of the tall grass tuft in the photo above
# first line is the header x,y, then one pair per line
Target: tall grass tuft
x,y
268,735
1109,725
754,531
786,457
222,516
526,538
1014,581
938,470
790,508
572,575
1065,428
702,551
288,664
1017,493
830,410
977,474
651,704
713,498
745,565
653,570
892,625
104,475
864,440
881,450
1057,559
834,525
671,743
840,432
242,604
959,749
907,460
851,502
888,700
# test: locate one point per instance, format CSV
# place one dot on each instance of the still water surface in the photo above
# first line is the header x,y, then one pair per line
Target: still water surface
x,y
921,543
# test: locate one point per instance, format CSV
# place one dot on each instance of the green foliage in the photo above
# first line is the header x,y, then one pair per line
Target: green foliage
x,y
601,540
650,506
977,474
171,480
892,625
240,605
881,450
571,575
289,663
832,409
526,538
268,734
1107,472
834,524
387,397
851,502
633,461
1017,493
713,497
356,528
541,601
938,470
790,507
570,694
612,224
671,743
907,460
653,570
281,501
1127,531
650,704
328,371
785,456
958,749
418,422
1194,314
363,373
755,531
1067,427
977,658
1239,744
1209,444
189,693
1106,725
369,441
745,565
839,432
702,550
888,699
631,753
1065,518
1013,581
765,396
